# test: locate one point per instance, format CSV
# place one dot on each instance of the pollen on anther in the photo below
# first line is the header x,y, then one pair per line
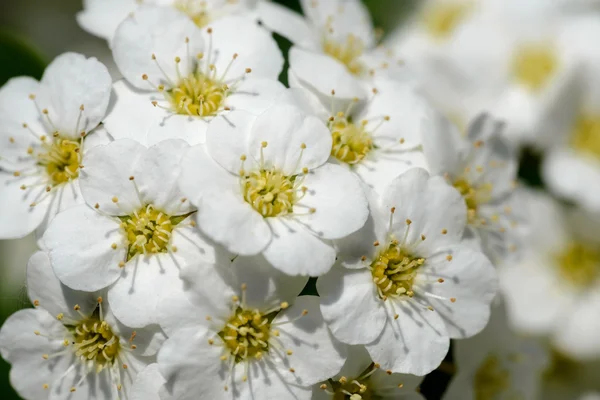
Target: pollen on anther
x,y
376,243
45,386
36,303
60,316
389,371
408,222
449,257
441,280
453,299
284,305
113,246
423,237
444,231
248,70
115,199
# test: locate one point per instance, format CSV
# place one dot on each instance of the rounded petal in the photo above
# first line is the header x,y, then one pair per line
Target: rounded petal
x,y
102,17
160,31
443,145
296,251
256,49
75,90
347,297
175,126
79,241
316,355
227,139
414,343
338,200
147,384
255,95
266,382
286,23
106,176
470,284
436,210
286,129
324,74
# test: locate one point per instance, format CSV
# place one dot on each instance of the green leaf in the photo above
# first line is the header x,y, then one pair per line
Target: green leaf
x,y
18,58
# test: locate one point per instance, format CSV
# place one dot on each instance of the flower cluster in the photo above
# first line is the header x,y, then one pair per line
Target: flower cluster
x,y
207,232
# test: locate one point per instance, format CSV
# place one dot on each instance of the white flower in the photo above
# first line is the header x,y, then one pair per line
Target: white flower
x,y
134,232
498,364
262,185
482,167
148,384
179,77
377,135
335,37
71,345
572,132
555,289
360,378
102,17
243,334
42,130
406,284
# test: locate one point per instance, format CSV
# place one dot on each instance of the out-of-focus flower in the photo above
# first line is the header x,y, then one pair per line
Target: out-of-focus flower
x,y
71,345
482,167
263,185
102,17
555,289
498,364
407,279
133,233
180,79
361,378
243,334
44,129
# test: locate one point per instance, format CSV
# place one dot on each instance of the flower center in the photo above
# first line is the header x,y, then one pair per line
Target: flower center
x,y
442,19
579,264
246,334
148,231
198,95
534,65
270,192
61,160
491,380
585,137
351,142
195,9
352,390
394,271
474,196
94,340
347,52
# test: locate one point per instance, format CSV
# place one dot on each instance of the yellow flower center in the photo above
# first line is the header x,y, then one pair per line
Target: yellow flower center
x,y
95,341
534,65
394,271
270,192
585,137
61,159
195,9
579,263
442,19
351,142
149,230
246,334
491,380
198,95
474,195
347,52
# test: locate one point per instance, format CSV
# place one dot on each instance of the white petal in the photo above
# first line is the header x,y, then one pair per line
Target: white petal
x,y
324,74
256,49
254,95
102,17
443,145
161,31
296,251
265,382
44,288
85,388
79,241
433,207
415,343
134,297
285,129
286,23
147,384
350,305
106,175
396,386
147,341
338,200
72,81
316,355
470,279
156,176
177,126
227,139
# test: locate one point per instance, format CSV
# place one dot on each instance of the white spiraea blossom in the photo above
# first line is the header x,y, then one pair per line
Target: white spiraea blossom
x,y
498,364
263,185
135,231
362,379
555,289
44,129
102,17
482,167
377,134
178,77
405,283
242,333
335,37
71,345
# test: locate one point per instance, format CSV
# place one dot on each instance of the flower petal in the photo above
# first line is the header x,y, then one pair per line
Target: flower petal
x,y
347,297
443,145
255,95
227,139
102,17
147,384
286,23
